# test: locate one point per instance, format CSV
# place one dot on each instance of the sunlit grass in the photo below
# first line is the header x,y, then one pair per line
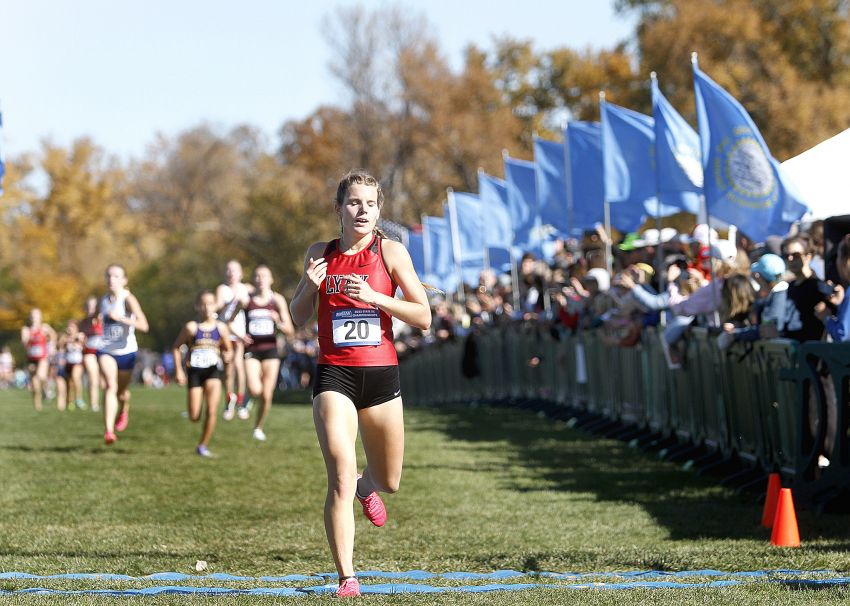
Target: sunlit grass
x,y
483,489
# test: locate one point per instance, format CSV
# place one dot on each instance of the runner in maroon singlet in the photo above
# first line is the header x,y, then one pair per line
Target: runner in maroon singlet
x,y
266,312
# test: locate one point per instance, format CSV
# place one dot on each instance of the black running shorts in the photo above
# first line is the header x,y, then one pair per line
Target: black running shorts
x,y
196,377
364,385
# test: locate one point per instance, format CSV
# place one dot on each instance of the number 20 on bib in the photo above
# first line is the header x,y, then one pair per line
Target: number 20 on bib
x,y
356,327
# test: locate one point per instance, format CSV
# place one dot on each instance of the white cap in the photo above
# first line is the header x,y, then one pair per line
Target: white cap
x,y
702,233
725,250
668,233
650,237
603,279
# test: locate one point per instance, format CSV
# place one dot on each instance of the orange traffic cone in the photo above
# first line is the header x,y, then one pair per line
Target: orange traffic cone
x,y
774,483
785,532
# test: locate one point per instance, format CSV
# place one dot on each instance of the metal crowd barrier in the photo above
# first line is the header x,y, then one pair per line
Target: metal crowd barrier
x,y
746,405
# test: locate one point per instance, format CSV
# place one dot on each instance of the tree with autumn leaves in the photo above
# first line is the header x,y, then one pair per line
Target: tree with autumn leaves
x,y
204,196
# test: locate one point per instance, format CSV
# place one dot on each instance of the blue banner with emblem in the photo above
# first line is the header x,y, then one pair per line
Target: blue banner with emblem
x,y
586,181
744,185
678,164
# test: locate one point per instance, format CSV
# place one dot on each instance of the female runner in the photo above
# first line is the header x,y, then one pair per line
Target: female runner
x,y
266,311
208,343
122,316
354,279
92,327
228,296
38,339
72,342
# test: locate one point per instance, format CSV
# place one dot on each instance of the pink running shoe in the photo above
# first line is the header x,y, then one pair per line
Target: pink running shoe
x,y
109,437
349,588
373,507
122,421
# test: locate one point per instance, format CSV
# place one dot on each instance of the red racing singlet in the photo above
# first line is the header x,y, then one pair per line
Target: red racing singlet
x,y
352,333
36,345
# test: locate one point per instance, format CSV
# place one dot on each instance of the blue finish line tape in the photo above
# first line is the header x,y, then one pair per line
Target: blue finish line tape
x,y
387,589
417,575
621,581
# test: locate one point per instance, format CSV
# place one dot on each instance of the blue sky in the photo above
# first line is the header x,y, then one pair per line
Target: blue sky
x,y
120,70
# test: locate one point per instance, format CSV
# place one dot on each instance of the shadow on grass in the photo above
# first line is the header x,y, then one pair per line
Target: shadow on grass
x,y
559,459
76,449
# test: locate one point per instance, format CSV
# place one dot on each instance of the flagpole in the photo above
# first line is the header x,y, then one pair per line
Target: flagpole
x,y
456,251
609,261
703,201
662,275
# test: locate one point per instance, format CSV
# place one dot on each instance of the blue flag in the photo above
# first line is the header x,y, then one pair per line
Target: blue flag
x,y
437,244
466,220
520,179
2,164
416,248
550,161
678,163
744,185
587,184
628,146
493,193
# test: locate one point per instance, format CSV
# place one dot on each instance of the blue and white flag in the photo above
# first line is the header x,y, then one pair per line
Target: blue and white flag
x,y
520,179
2,163
439,262
628,149
550,161
744,185
416,248
678,164
493,193
586,181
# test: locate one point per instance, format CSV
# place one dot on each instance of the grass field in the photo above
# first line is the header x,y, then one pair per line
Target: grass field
x,y
483,489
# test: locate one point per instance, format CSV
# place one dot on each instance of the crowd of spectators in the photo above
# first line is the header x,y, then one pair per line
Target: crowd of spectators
x,y
739,290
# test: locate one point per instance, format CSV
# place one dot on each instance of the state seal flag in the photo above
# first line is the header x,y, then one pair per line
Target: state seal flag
x,y
744,184
678,164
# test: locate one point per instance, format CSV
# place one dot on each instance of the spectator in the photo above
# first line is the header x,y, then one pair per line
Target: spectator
x,y
768,272
805,292
838,324
7,368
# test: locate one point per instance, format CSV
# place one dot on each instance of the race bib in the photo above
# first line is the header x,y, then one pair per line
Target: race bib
x,y
356,327
74,356
203,358
114,332
35,351
261,327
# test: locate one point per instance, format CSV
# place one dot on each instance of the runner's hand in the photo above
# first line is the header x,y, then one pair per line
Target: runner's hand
x,y
316,271
359,289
